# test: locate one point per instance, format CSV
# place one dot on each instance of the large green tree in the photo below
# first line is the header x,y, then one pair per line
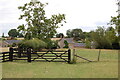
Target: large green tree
x,y
38,25
116,21
13,33
77,34
105,38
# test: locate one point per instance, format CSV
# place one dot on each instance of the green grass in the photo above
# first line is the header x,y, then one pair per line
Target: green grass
x,y
107,67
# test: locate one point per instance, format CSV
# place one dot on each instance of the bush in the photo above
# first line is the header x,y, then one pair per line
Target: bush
x,y
33,43
14,44
66,44
51,44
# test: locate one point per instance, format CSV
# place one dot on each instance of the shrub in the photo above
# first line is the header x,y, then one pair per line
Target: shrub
x,y
66,44
14,44
51,44
32,43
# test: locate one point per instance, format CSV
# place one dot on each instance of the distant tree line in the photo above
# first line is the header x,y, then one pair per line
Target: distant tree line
x,y
99,38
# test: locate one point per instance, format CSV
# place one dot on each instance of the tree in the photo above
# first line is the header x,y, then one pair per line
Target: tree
x,y
77,34
20,35
68,33
60,35
111,34
116,21
38,25
105,38
13,33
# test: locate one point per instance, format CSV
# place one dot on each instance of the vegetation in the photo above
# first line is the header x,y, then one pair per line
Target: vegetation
x,y
107,67
60,35
13,33
51,44
38,25
33,43
66,44
77,34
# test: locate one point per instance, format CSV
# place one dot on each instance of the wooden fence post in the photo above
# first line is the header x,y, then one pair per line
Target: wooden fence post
x,y
74,57
10,54
99,54
69,56
29,54
19,52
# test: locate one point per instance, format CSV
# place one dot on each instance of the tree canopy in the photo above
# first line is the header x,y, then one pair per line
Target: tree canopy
x,y
38,25
77,34
13,33
59,35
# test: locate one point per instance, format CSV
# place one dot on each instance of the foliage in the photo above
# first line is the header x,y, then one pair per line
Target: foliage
x,y
115,21
66,44
104,38
20,35
68,33
60,35
88,43
51,44
32,43
77,34
13,33
38,25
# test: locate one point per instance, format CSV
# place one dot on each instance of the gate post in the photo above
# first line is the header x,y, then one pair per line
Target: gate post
x,y
19,52
10,54
69,56
73,54
29,54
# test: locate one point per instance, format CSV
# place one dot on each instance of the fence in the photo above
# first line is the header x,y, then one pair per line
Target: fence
x,y
4,57
43,55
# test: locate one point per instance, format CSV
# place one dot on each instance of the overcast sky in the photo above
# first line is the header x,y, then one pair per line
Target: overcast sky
x,y
84,14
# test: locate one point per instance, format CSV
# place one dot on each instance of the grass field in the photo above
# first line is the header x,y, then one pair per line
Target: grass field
x,y
107,67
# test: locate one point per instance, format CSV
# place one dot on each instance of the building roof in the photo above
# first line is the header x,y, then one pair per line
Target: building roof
x,y
69,40
12,41
79,45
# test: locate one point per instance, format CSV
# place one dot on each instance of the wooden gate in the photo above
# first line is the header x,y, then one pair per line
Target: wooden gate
x,y
53,55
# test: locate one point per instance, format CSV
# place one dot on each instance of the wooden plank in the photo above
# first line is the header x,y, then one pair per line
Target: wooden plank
x,y
49,53
7,55
49,61
1,55
4,52
20,59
